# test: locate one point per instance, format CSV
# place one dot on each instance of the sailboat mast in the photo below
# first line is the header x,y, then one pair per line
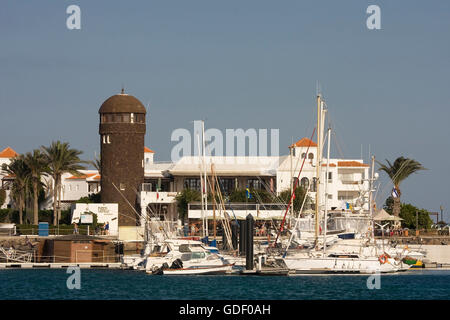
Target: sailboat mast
x,y
319,139
326,193
201,187
371,196
205,182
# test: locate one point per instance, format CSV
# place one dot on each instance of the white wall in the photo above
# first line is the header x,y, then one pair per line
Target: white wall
x,y
106,212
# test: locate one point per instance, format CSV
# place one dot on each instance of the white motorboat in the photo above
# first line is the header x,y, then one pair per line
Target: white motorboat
x,y
186,258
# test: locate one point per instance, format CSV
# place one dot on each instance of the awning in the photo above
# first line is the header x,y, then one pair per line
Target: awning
x,y
382,215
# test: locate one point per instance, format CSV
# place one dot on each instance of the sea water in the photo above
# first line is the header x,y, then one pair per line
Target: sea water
x,y
126,284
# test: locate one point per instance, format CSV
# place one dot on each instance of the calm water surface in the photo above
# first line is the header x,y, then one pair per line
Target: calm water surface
x,y
120,284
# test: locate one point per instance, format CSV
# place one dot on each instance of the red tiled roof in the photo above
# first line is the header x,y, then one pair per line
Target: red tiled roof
x,y
8,153
148,150
351,164
331,165
97,177
304,142
82,177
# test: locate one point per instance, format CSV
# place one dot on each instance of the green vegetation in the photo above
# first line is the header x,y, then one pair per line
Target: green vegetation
x,y
239,196
300,194
27,171
92,198
184,198
20,186
36,164
2,196
60,158
12,216
401,169
408,214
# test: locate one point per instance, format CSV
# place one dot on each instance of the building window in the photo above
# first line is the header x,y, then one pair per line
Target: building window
x,y
117,118
122,186
107,139
139,118
227,185
192,183
330,177
304,183
311,156
303,155
104,139
255,184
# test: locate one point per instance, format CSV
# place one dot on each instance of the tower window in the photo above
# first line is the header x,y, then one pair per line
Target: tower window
x,y
303,155
107,139
122,186
311,156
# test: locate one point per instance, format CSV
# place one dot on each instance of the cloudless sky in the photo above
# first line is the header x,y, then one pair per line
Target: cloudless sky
x,y
237,64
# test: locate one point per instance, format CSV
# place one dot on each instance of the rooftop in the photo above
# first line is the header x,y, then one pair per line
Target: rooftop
x,y
8,153
304,142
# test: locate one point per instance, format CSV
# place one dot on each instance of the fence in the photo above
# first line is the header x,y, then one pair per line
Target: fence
x,y
60,231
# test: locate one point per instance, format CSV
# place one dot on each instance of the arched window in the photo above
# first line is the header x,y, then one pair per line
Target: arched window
x,y
311,156
314,185
304,183
303,155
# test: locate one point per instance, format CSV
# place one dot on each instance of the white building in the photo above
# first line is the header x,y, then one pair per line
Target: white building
x,y
347,179
5,158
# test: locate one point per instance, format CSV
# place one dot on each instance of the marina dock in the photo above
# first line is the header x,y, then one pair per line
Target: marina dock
x,y
44,265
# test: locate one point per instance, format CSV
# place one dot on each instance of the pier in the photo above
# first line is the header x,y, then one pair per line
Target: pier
x,y
44,265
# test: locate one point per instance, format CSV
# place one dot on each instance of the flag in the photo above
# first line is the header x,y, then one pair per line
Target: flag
x,y
394,193
248,194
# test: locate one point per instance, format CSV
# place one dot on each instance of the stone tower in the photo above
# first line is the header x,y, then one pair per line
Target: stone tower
x,y
122,131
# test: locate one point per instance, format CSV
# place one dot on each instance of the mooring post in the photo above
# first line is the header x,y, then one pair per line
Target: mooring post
x,y
242,236
250,224
234,235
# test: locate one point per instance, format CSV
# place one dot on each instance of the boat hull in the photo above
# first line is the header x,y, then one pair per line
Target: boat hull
x,y
199,270
339,266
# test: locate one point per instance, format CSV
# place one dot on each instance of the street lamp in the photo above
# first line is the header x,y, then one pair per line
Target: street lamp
x,y
442,210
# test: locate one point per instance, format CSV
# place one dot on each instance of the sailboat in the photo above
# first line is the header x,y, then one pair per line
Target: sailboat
x,y
366,259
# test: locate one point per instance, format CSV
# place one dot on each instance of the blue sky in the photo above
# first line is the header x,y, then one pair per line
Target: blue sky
x,y
237,64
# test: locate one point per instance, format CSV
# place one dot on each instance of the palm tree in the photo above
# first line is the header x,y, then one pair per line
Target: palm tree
x,y
401,169
96,163
18,168
60,158
37,166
